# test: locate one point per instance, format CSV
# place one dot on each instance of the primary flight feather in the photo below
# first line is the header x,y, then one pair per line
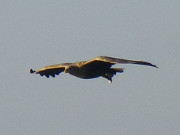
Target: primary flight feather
x,y
97,67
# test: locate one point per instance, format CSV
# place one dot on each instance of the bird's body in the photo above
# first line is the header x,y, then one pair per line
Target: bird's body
x,y
97,67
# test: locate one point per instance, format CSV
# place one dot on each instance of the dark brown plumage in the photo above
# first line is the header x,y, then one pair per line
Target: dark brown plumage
x,y
99,66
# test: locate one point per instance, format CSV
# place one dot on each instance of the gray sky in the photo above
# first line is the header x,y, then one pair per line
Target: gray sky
x,y
141,101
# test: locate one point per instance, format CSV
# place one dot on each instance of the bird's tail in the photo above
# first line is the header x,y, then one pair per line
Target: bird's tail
x,y
120,70
112,72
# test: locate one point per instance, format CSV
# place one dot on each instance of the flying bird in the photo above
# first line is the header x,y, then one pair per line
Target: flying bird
x,y
100,66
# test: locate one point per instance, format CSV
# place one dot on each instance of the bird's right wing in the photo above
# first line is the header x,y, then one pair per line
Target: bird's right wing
x,y
51,70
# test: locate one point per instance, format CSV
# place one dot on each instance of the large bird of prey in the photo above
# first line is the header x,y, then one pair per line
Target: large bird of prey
x,y
97,67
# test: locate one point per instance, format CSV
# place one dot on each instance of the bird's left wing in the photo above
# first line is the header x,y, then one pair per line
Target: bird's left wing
x,y
51,70
97,62
111,61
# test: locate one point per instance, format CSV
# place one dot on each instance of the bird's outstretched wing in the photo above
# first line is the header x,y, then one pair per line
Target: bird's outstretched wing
x,y
111,61
51,70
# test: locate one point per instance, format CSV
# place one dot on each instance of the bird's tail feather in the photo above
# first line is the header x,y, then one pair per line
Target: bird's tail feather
x,y
113,72
120,70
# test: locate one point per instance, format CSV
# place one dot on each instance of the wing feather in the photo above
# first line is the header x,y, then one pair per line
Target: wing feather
x,y
111,61
51,70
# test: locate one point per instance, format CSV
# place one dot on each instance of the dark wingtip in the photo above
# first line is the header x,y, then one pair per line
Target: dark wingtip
x,y
145,63
32,71
155,66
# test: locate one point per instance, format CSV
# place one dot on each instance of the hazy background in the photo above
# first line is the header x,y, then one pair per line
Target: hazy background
x,y
141,101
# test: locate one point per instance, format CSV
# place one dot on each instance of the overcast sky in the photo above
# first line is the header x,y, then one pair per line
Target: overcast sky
x,y
141,101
